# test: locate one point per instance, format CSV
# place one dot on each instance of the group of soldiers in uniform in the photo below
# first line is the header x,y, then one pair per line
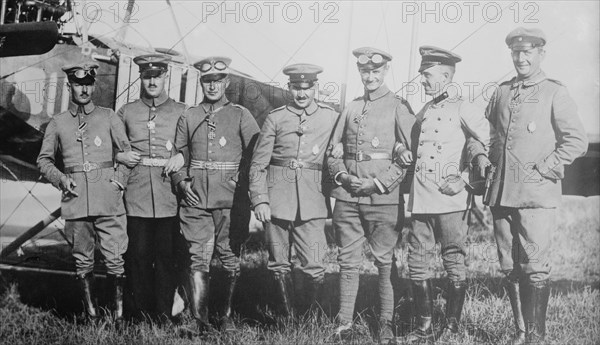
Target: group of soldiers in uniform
x,y
135,179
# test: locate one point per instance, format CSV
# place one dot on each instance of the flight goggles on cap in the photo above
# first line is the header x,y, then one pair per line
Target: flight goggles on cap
x,y
82,73
153,73
365,59
207,66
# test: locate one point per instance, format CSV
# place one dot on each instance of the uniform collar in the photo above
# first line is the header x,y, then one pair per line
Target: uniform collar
x,y
533,80
162,98
377,94
217,105
311,109
87,109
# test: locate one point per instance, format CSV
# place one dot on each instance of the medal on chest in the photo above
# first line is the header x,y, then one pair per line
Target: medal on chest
x,y
151,125
212,128
168,145
531,127
80,131
222,141
315,150
375,142
301,127
97,141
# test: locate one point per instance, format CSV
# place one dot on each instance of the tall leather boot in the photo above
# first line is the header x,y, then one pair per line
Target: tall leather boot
x,y
313,291
116,283
86,285
285,287
423,299
198,287
534,311
514,295
226,323
456,299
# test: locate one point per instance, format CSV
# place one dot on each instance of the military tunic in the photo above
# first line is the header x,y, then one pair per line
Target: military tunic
x,y
151,130
369,129
438,146
287,173
535,132
86,139
215,137
151,205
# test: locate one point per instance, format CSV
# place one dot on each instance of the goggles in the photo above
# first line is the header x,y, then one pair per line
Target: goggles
x,y
82,73
364,59
218,65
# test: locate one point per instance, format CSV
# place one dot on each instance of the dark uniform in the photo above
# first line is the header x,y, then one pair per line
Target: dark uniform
x,y
441,131
151,124
216,134
535,132
287,175
85,137
369,128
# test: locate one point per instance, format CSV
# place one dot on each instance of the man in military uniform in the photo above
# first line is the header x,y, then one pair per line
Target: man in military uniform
x,y
368,202
535,132
92,200
150,123
217,133
286,184
439,195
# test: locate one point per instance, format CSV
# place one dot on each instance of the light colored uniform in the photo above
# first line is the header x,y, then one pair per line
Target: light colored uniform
x,y
438,150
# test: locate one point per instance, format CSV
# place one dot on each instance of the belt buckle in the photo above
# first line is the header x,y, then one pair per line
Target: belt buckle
x,y
155,162
360,156
87,166
294,164
210,165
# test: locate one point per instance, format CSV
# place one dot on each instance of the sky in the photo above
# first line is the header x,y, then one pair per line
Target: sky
x,y
263,37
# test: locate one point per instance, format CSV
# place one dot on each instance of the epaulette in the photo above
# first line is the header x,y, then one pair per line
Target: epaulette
x,y
277,109
324,105
555,81
238,106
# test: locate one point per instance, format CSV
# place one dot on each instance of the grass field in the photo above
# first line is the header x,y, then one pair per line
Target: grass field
x,y
37,309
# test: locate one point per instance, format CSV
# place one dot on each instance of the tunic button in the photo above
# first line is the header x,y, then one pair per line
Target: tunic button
x,y
436,131
509,147
417,169
301,151
439,119
153,139
360,134
421,143
86,153
514,120
152,147
431,157
210,144
422,131
152,131
360,142
154,155
210,152
153,108
419,155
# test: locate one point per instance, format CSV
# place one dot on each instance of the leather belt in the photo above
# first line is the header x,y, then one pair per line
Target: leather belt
x,y
295,164
206,165
154,162
88,166
361,156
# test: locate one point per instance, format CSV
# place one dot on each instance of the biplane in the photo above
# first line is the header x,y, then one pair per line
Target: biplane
x,y
35,42
35,45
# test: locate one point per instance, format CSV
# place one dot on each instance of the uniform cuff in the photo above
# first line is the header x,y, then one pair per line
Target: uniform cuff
x,y
335,178
380,187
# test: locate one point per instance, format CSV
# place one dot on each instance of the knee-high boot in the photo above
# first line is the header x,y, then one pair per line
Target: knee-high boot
x,y
514,295
86,285
423,299
198,287
534,310
226,323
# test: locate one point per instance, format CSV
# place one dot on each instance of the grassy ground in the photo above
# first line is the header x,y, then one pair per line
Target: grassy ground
x,y
40,310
